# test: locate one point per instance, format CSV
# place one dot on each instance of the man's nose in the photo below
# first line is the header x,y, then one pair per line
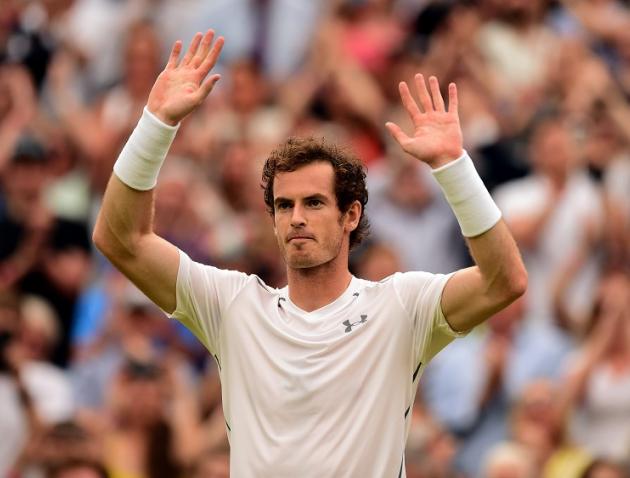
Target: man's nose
x,y
297,218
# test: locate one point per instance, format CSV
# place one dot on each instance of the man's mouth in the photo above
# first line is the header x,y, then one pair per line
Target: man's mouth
x,y
301,237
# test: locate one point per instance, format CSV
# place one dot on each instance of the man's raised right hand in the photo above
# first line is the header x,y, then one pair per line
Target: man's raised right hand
x,y
182,85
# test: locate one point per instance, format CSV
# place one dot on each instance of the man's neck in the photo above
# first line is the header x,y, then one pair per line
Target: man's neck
x,y
316,287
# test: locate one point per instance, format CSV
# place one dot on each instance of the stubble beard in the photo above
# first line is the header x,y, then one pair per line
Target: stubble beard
x,y
305,260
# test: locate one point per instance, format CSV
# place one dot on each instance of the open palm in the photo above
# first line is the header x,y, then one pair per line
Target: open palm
x,y
182,85
437,136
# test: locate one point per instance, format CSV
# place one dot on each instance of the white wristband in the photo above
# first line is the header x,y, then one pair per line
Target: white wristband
x,y
139,162
471,202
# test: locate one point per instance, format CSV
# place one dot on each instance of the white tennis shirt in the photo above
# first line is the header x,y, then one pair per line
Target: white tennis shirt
x,y
315,394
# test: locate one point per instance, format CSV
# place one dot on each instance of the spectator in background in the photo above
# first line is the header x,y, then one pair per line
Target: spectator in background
x,y
134,327
484,375
57,445
536,425
598,384
17,108
509,460
403,197
153,427
48,385
550,212
518,48
375,261
18,415
39,253
98,128
431,449
277,33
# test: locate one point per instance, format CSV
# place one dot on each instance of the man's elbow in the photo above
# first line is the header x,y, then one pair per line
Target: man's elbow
x,y
109,244
98,237
516,284
507,287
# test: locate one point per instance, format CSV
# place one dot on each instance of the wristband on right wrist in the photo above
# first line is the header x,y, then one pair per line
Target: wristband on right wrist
x,y
139,162
474,208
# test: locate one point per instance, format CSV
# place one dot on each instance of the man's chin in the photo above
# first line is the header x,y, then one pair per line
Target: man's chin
x,y
298,261
301,263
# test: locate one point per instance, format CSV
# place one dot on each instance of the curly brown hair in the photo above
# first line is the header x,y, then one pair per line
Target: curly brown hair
x,y
349,175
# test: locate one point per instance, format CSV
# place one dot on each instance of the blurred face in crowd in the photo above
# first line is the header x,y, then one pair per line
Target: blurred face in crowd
x,y
247,89
553,150
142,395
615,308
409,187
378,262
23,185
310,228
142,59
67,441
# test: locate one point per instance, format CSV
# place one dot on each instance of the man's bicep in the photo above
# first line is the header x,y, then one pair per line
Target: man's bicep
x,y
153,269
465,301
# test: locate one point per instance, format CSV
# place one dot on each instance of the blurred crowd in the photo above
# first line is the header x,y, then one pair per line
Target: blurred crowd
x,y
96,382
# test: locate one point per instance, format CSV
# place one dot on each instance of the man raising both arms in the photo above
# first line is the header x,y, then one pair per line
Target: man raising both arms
x,y
318,377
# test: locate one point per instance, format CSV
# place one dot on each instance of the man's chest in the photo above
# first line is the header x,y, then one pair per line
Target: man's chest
x,y
305,362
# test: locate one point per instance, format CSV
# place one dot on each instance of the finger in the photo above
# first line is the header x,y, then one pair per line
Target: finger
x,y
174,56
192,49
212,57
204,48
452,98
438,101
409,103
398,134
206,86
423,93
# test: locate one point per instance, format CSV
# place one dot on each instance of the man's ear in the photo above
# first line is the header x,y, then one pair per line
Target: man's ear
x,y
353,216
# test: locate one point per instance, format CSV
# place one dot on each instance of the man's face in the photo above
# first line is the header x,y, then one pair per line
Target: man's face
x,y
309,227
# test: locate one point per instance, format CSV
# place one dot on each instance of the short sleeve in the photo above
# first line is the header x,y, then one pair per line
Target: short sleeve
x,y
203,294
420,294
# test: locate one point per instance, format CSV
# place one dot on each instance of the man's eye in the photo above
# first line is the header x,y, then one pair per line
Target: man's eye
x,y
282,205
314,202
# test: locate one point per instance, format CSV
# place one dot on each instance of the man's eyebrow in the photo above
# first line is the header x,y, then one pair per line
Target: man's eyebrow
x,y
318,196
280,199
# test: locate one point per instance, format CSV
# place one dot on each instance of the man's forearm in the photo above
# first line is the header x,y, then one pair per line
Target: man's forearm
x,y
474,294
491,244
499,277
125,216
499,262
127,211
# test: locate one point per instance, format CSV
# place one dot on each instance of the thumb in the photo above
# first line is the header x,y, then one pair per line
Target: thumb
x,y
207,85
399,135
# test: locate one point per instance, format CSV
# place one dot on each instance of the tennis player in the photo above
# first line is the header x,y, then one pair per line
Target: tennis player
x,y
318,377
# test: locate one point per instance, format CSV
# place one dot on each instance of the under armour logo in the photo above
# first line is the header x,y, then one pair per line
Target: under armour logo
x,y
350,325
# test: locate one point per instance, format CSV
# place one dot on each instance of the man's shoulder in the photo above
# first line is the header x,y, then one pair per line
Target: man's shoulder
x,y
399,282
233,280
